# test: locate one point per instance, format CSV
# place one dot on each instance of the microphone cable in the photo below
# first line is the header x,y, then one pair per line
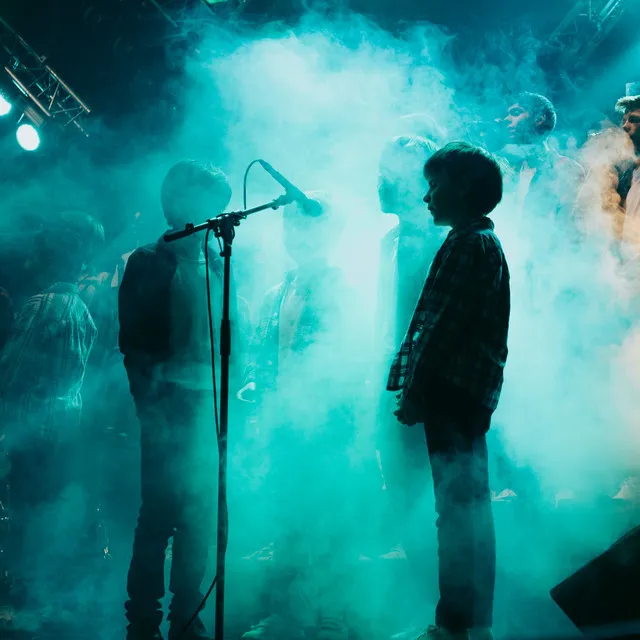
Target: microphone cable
x,y
244,182
202,605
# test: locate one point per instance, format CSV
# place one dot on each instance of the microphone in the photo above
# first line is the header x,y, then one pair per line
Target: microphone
x,y
309,207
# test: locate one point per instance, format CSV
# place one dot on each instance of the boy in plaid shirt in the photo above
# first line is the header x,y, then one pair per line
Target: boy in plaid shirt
x,y
449,371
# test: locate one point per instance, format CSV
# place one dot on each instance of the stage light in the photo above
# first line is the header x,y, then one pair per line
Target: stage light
x,y
28,137
5,106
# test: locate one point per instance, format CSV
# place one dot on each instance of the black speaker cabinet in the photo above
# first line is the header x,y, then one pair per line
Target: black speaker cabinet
x,y
605,593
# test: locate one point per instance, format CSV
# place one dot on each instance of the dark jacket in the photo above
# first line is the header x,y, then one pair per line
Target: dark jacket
x,y
144,313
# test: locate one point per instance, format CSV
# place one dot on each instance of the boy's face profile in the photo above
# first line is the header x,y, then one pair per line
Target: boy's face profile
x,y
444,200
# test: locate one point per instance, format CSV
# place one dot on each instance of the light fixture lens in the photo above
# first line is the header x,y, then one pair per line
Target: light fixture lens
x,y
5,106
28,137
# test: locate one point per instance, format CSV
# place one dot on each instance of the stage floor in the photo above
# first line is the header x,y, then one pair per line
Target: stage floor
x,y
535,552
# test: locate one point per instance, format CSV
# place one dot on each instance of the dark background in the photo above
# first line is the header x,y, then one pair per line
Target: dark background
x,y
125,60
120,55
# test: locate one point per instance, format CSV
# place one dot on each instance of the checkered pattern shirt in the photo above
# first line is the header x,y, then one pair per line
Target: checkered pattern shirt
x,y
43,364
458,332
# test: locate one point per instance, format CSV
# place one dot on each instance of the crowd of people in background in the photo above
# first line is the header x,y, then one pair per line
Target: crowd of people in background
x,y
59,320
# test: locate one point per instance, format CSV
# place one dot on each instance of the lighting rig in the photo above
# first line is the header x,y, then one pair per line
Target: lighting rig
x,y
46,95
586,25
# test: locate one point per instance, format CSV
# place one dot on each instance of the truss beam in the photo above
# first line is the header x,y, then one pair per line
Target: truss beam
x,y
585,26
39,83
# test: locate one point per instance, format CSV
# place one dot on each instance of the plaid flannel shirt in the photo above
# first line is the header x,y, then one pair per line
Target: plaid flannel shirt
x,y
43,364
458,332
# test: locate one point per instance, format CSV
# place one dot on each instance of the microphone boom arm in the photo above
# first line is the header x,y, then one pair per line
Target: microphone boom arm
x,y
234,217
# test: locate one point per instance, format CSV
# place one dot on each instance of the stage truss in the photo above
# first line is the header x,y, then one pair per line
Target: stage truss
x,y
586,25
39,83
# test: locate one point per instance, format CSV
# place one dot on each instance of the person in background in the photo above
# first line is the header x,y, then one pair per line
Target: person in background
x,y
42,370
406,252
544,182
545,191
164,337
609,202
449,372
629,109
615,156
305,379
626,176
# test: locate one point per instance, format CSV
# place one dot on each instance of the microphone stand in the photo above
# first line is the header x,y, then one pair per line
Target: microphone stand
x,y
223,227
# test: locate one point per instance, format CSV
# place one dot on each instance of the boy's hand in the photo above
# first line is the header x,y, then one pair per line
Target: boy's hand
x,y
408,412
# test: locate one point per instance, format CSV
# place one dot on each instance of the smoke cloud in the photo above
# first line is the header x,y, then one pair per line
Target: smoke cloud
x,y
319,102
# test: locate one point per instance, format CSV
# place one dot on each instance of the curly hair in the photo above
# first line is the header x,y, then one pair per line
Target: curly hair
x,y
627,105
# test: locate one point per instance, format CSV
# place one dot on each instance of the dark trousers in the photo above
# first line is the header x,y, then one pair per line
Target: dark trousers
x,y
178,484
466,538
